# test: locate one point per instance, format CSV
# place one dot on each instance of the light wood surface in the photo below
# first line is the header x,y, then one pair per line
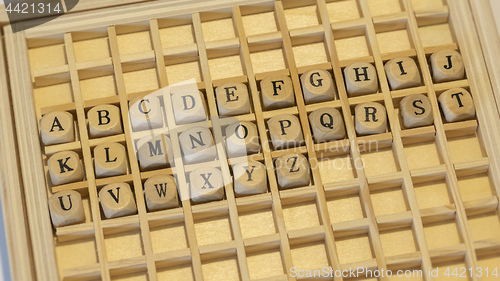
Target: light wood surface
x,y
404,198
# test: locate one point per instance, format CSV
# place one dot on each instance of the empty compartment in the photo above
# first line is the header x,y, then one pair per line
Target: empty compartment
x,y
212,227
129,276
354,46
182,271
264,261
267,58
172,231
442,234
436,35
484,226
115,239
335,168
217,25
300,213
450,270
385,7
140,80
259,19
422,154
299,14
220,266
309,53
226,66
489,264
354,248
53,95
98,87
427,5
310,254
180,69
50,56
394,41
248,215
175,32
345,207
133,39
407,274
475,186
65,253
343,10
379,161
432,193
466,148
388,199
91,49
398,241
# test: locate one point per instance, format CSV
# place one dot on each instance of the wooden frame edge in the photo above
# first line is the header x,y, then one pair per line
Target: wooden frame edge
x,y
490,40
16,227
481,83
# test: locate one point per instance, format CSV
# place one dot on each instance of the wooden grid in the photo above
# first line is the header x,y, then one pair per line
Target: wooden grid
x,y
411,212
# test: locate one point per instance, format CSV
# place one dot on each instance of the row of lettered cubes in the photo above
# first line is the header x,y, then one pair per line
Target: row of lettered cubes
x,y
161,191
277,90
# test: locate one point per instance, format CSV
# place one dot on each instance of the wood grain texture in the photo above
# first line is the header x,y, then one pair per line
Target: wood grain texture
x,y
362,193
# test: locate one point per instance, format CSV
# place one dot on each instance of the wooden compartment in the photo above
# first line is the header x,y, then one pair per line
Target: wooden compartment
x,y
404,199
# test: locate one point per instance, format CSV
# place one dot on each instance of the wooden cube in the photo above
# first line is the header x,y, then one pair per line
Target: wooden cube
x,y
65,167
285,131
66,207
197,145
206,184
145,113
402,73
292,170
416,111
250,178
327,124
457,105
232,99
104,120
370,118
110,159
117,200
361,79
57,127
242,138
317,86
154,152
160,192
188,106
447,65
277,92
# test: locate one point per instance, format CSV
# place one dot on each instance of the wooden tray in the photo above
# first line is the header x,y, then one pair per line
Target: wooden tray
x,y
424,198
83,5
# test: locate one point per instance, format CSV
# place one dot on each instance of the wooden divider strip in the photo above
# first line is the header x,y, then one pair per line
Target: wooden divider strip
x,y
268,161
219,142
134,166
304,120
451,177
398,144
87,157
